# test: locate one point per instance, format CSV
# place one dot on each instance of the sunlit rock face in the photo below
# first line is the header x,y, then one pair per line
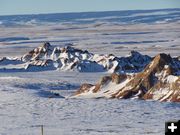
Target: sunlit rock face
x,y
158,81
134,76
70,58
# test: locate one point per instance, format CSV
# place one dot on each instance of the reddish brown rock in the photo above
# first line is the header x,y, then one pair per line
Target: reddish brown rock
x,y
84,88
145,80
165,91
157,81
117,78
103,81
38,52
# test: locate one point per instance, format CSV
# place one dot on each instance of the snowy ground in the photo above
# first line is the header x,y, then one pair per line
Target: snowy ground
x,y
24,96
24,106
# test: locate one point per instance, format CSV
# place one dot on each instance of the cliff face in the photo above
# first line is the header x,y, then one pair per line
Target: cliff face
x,y
158,81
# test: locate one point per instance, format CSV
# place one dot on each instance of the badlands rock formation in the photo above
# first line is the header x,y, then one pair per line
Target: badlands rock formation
x,y
159,80
47,57
135,76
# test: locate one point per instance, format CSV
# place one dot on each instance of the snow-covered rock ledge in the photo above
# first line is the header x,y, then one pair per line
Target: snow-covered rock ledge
x,y
135,76
47,57
158,81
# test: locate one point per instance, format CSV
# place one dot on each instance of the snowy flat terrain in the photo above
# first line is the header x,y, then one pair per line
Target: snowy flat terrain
x,y
27,99
24,106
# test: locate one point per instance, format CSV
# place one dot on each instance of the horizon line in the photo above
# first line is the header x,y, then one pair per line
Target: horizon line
x,y
76,12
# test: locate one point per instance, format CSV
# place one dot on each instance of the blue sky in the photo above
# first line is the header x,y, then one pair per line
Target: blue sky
x,y
8,7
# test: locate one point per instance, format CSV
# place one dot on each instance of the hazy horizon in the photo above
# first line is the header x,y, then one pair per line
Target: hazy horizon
x,y
21,7
92,11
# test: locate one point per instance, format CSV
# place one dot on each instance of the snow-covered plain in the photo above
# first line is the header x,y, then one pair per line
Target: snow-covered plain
x,y
24,105
27,99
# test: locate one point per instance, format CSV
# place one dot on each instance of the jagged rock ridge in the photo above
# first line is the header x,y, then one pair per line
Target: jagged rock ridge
x,y
135,76
47,57
158,81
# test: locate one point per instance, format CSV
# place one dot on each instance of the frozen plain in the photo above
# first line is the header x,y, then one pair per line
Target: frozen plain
x,y
24,96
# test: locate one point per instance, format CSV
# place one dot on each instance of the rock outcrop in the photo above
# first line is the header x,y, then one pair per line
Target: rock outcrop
x,y
47,57
158,81
135,76
166,90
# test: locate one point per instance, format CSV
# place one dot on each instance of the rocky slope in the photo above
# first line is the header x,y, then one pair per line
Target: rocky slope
x,y
135,76
47,57
159,80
